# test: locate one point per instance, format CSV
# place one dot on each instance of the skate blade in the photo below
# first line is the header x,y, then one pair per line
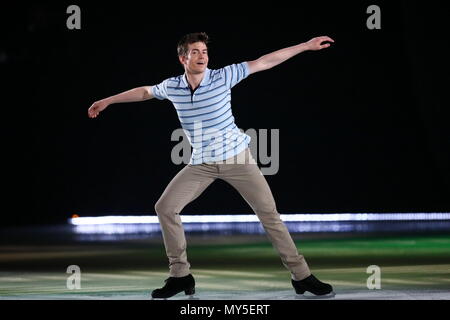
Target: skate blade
x,y
308,295
188,297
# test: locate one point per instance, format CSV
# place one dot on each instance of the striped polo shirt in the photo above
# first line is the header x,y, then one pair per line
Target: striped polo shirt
x,y
205,114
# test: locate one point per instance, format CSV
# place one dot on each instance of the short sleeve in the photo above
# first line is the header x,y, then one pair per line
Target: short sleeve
x,y
235,73
160,90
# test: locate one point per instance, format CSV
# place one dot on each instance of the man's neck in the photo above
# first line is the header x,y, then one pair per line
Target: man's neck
x,y
194,80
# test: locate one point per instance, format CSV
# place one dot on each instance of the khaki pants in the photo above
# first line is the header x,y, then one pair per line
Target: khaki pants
x,y
242,172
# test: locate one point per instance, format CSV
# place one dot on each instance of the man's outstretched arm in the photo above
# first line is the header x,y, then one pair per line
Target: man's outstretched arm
x,y
133,95
275,58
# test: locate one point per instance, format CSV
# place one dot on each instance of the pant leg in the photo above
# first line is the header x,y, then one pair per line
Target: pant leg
x,y
248,180
186,186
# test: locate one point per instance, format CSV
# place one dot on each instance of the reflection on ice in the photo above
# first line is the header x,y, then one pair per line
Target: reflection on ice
x,y
136,231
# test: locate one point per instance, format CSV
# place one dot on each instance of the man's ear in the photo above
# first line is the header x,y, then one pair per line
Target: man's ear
x,y
182,59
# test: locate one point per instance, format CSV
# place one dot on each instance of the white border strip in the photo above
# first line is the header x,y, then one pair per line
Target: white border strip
x,y
328,217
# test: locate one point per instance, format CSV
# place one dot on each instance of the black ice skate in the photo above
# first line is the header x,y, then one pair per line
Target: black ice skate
x,y
313,285
175,285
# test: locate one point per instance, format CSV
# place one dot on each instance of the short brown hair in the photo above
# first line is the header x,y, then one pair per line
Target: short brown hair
x,y
186,40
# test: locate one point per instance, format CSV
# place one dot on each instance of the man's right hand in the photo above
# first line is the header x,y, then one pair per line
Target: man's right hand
x,y
96,108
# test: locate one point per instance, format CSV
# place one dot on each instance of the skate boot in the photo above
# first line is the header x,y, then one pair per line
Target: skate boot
x,y
313,285
175,285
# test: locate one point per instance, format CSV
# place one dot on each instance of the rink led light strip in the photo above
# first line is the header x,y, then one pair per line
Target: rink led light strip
x,y
323,217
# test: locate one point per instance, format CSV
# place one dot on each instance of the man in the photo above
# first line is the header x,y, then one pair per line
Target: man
x,y
220,151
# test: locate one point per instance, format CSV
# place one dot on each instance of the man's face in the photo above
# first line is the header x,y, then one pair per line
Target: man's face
x,y
196,60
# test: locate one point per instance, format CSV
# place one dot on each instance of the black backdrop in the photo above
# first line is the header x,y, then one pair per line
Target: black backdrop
x,y
363,125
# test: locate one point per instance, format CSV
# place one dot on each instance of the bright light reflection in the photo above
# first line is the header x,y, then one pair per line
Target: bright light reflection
x,y
323,217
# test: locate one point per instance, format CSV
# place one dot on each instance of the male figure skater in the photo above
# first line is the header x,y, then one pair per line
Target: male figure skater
x,y
202,99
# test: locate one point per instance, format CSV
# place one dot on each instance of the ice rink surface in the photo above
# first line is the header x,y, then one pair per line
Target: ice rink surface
x,y
34,262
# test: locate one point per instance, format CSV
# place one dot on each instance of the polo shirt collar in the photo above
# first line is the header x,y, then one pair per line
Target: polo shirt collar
x,y
205,80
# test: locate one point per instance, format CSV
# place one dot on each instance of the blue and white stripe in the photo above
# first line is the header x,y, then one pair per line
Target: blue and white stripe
x,y
206,115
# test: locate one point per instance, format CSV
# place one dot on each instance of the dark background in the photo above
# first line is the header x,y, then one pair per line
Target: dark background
x,y
363,125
